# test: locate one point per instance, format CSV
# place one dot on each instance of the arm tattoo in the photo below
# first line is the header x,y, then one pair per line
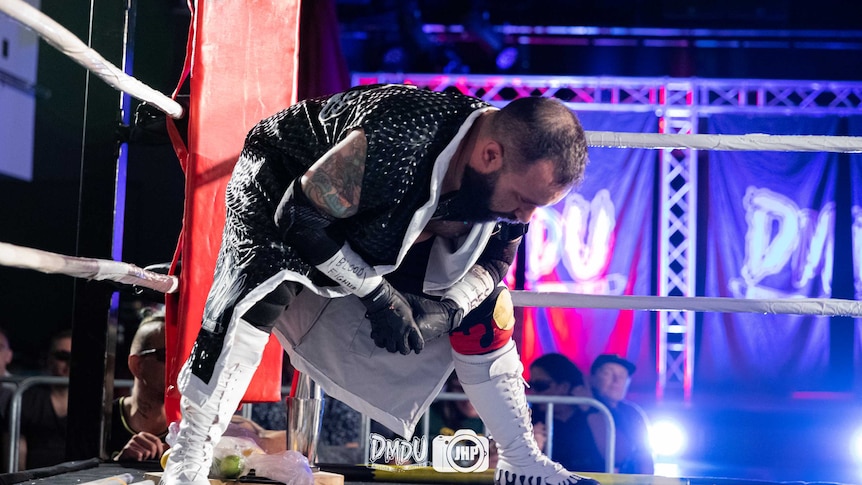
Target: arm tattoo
x,y
335,185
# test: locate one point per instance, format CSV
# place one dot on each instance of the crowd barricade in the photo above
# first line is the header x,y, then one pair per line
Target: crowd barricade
x,y
610,441
14,417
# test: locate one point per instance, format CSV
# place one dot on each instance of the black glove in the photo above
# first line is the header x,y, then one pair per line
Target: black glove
x,y
392,325
433,317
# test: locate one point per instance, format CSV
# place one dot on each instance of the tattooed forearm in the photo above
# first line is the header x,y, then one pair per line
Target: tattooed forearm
x,y
335,184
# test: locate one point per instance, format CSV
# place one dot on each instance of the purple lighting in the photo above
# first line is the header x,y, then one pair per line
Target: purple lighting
x,y
507,58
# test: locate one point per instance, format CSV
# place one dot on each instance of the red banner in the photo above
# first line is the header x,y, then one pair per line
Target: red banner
x,y
241,66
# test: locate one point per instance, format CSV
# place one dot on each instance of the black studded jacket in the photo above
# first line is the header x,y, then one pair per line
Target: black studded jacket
x,y
406,129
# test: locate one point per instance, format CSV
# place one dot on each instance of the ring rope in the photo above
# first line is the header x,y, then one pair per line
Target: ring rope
x,y
67,43
89,268
789,306
101,269
752,142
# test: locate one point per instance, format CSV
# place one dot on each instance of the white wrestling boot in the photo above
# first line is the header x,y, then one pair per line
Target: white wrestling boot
x,y
495,386
207,408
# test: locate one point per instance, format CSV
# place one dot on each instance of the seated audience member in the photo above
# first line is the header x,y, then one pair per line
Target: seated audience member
x,y
42,441
340,433
610,376
573,447
138,421
447,417
6,388
271,441
5,354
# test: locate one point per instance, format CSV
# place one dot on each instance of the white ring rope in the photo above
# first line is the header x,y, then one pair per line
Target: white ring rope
x,y
101,269
752,142
67,43
790,306
89,268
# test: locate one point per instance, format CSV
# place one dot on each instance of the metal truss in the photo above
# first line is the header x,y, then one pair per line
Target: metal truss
x,y
676,242
678,103
644,94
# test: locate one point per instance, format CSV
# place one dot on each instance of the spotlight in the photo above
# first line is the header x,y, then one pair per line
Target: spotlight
x,y
667,470
507,58
667,438
856,445
395,59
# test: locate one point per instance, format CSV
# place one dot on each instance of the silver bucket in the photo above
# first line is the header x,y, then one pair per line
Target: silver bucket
x,y
304,416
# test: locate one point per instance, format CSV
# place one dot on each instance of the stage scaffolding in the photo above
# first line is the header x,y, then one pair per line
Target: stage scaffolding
x,y
678,103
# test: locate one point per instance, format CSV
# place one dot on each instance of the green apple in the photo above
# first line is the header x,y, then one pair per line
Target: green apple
x,y
231,466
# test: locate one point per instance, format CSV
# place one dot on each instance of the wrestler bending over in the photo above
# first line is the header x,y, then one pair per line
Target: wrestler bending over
x,y
411,201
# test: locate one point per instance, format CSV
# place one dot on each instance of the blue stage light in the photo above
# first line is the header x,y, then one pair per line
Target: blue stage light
x,y
667,438
507,58
856,445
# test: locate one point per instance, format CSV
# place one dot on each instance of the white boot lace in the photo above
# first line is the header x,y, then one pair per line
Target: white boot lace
x,y
522,462
192,454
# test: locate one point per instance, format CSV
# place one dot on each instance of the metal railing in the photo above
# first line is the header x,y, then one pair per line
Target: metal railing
x,y
14,417
611,432
610,437
610,441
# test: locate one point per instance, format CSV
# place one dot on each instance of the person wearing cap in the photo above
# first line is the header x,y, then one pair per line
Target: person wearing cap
x,y
610,376
555,374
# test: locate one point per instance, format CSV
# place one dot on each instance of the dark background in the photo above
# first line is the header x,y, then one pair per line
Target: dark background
x,y
382,35
776,39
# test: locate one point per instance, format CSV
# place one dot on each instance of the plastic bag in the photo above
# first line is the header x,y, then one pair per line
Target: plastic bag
x,y
231,457
289,467
238,452
173,430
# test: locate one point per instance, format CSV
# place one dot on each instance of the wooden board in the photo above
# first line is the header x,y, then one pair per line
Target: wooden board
x,y
320,478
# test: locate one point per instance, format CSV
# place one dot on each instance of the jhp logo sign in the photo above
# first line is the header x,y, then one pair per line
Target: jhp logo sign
x,y
463,452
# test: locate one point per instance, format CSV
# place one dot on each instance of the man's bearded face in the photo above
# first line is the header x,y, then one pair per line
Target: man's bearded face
x,y
473,201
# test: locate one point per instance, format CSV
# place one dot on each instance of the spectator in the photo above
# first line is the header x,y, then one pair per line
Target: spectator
x,y
138,421
573,445
447,417
7,388
610,376
6,354
42,441
340,433
271,441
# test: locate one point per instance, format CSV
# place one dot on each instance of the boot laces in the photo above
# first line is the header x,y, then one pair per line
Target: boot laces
x,y
193,451
544,471
550,471
517,399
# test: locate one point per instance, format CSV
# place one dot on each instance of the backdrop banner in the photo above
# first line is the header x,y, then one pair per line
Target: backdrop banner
x,y
769,234
598,240
855,129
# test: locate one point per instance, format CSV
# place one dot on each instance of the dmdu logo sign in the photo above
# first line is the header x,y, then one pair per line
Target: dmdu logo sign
x,y
464,452
398,452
